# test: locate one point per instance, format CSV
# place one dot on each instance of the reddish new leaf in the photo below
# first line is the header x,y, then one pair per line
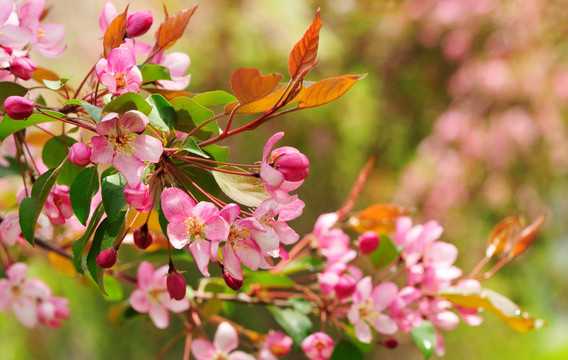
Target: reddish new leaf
x,y
266,103
249,85
172,29
328,90
503,234
379,218
305,51
114,34
528,235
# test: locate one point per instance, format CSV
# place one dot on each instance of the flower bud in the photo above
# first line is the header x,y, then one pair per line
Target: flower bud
x,y
106,258
345,286
368,242
318,346
232,282
80,154
23,67
18,107
142,238
390,343
138,23
176,285
291,163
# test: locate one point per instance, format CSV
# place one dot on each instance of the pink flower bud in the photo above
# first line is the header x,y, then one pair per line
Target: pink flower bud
x,y
23,67
175,282
106,258
345,286
142,238
278,343
368,242
18,107
291,163
390,343
232,282
138,197
138,23
80,154
318,346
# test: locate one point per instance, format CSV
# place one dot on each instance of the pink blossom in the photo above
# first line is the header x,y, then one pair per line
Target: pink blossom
x,y
340,279
58,205
22,295
52,311
120,142
277,344
12,34
368,303
107,15
45,37
191,223
438,269
10,229
401,311
138,197
119,72
332,242
224,342
152,295
177,63
469,315
318,346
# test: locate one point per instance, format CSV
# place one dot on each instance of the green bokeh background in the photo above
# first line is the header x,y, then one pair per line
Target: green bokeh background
x,y
385,115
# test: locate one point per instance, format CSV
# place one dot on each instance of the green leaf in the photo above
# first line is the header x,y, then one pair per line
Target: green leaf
x,y
8,89
152,72
55,84
385,254
345,350
305,263
82,191
296,324
112,191
126,102
212,98
163,115
425,338
266,278
190,114
31,209
301,305
191,146
163,221
79,245
10,126
13,167
113,289
247,190
94,111
54,152
218,153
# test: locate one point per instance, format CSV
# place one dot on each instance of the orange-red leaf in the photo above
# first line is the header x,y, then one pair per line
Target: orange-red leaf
x,y
172,29
263,104
528,235
44,74
249,85
304,53
325,91
504,234
379,218
114,34
168,94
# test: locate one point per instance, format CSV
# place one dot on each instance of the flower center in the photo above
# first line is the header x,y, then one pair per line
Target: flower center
x,y
155,293
120,81
367,311
122,140
40,34
237,237
194,226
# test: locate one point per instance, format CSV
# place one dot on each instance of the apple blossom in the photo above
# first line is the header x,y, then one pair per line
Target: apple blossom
x,y
119,72
277,344
318,346
224,342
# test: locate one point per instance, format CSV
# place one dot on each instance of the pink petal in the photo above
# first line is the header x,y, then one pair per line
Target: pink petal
x,y
176,62
159,315
240,355
214,251
203,350
353,314
107,15
101,67
267,242
177,232
270,177
145,275
25,310
102,150
53,35
384,294
6,7
364,288
140,301
217,229
205,210
249,253
286,235
13,36
226,338
200,251
173,305
270,144
446,320
129,166
177,206
147,148
230,213
441,254
17,273
35,288
121,59
385,325
232,263
134,121
363,332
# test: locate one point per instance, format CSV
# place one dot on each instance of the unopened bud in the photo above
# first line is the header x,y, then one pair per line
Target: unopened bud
x,y
176,285
291,163
142,238
390,343
80,154
18,107
138,23
23,67
231,281
106,258
368,242
345,286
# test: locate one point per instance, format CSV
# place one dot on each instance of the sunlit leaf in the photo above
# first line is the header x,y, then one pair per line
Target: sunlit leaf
x,y
503,234
249,85
305,51
528,235
153,72
212,98
191,146
55,84
325,91
379,218
269,102
190,114
425,338
172,29
10,126
126,102
114,34
94,112
113,289
244,189
168,94
296,324
163,115
490,300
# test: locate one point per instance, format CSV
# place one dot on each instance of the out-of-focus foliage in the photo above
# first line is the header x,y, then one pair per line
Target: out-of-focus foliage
x,y
463,107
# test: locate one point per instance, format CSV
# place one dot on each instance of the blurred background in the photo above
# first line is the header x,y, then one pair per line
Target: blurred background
x,y
464,109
